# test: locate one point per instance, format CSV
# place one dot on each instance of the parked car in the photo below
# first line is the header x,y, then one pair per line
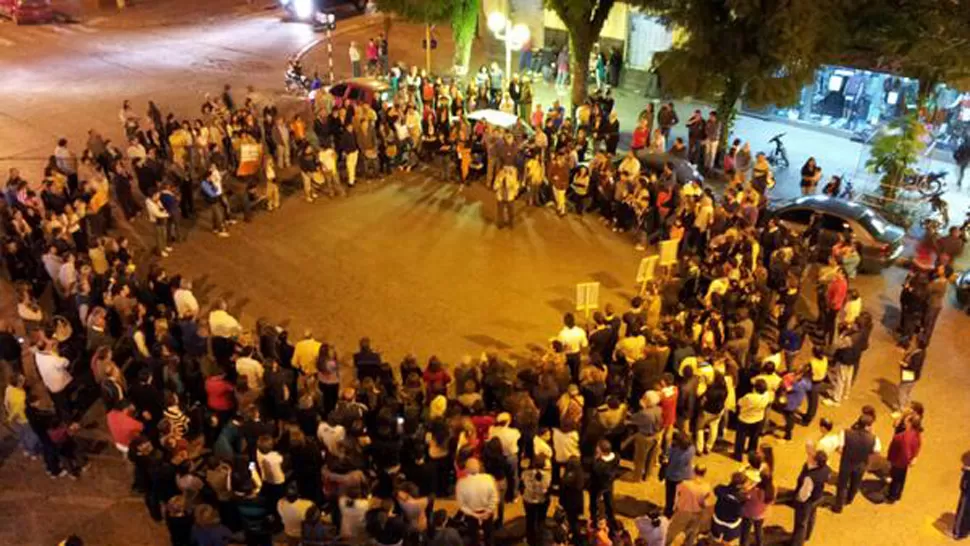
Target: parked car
x,y
27,11
963,290
881,242
359,90
685,170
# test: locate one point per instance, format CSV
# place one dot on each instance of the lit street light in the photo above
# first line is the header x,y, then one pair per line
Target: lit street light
x,y
514,36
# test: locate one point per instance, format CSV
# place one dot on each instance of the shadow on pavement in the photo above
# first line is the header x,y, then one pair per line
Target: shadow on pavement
x,y
886,391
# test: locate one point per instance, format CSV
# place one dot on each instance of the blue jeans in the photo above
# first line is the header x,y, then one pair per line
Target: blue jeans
x,y
29,441
561,77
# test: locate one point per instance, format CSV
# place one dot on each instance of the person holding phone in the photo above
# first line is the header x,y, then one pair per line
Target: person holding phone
x,y
910,368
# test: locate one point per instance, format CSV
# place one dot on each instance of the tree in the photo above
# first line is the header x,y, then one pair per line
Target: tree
x,y
584,20
464,23
895,151
765,50
462,14
928,41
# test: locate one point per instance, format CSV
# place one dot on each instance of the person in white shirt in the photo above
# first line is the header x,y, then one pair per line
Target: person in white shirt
x,y
221,323
159,216
574,340
830,442
185,303
67,276
292,509
353,512
269,462
332,437
354,53
55,372
251,369
509,436
477,496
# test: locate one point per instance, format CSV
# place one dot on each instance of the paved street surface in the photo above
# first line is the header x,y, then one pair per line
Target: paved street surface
x,y
413,263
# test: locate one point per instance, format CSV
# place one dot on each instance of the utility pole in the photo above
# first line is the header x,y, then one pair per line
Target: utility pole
x,y
427,48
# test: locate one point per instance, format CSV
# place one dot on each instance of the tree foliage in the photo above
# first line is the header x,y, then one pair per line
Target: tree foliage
x,y
926,40
895,151
417,11
584,19
461,14
464,21
766,50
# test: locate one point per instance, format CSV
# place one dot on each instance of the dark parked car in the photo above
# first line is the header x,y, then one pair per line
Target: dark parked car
x,y
685,171
881,242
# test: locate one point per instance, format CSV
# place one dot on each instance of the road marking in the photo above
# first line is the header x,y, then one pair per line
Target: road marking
x,y
7,43
96,21
85,29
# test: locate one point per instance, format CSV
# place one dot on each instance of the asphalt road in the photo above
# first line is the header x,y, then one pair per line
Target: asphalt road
x,y
413,263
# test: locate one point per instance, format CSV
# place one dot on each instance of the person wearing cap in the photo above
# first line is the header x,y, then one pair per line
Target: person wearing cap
x,y
509,436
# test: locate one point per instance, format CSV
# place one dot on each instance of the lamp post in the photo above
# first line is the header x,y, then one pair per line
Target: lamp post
x,y
514,37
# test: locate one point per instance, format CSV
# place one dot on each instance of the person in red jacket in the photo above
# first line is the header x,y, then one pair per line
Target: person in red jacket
x,y
903,451
641,136
220,393
835,295
436,378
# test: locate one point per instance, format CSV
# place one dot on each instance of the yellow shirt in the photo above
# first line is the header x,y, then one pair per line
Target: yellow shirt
x,y
820,368
305,355
15,404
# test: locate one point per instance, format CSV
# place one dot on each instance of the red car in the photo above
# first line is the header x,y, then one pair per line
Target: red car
x,y
27,11
359,90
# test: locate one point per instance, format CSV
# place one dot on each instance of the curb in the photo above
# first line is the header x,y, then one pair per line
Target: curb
x,y
366,20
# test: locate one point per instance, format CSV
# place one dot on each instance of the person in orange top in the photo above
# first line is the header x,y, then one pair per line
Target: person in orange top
x,y
298,128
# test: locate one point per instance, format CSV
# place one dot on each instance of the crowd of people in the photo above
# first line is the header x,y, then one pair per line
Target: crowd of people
x,y
241,429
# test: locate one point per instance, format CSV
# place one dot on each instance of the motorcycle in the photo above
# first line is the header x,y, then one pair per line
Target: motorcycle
x,y
927,184
778,157
294,79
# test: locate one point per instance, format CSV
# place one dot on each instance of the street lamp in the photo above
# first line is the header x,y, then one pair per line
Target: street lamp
x,y
514,37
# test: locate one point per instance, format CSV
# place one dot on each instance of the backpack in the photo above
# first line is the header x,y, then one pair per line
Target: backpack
x,y
209,191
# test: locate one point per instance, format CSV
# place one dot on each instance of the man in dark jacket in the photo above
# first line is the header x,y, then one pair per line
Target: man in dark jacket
x,y
809,490
602,475
367,362
695,135
858,445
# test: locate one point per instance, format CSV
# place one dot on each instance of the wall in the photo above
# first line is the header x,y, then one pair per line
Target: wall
x,y
615,28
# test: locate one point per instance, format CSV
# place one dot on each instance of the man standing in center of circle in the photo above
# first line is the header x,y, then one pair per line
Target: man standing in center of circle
x,y
506,190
